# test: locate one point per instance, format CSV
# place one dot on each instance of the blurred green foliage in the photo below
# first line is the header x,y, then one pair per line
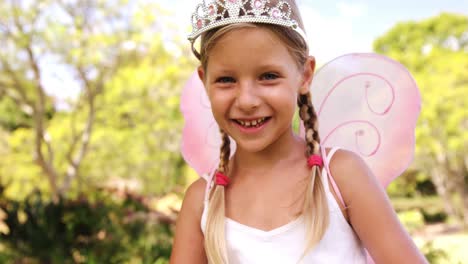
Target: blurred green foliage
x,y
435,51
105,227
434,255
120,130
430,203
412,220
124,125
11,116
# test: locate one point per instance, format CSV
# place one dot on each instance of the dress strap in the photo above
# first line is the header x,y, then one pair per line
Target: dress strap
x,y
325,169
327,160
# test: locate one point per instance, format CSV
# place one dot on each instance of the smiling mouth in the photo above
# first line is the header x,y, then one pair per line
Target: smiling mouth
x,y
252,123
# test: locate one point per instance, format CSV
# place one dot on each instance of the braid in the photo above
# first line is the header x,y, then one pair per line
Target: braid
x,y
225,153
315,208
309,117
215,241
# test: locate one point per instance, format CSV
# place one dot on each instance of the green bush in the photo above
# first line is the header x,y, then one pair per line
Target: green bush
x,y
106,228
434,255
432,203
433,216
411,219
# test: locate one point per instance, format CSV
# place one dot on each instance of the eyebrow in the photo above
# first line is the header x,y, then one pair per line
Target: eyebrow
x,y
222,68
278,66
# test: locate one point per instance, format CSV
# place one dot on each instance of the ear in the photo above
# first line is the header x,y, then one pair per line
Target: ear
x,y
308,75
201,73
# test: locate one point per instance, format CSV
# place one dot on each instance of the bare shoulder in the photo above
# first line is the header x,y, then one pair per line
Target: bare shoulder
x,y
370,212
351,174
345,160
192,205
189,239
195,195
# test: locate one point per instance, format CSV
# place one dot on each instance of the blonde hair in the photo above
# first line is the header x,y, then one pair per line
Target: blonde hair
x,y
315,209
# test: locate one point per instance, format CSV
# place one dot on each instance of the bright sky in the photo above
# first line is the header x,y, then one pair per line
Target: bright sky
x,y
336,27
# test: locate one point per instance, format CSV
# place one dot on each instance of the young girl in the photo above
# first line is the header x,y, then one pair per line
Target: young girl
x,y
279,198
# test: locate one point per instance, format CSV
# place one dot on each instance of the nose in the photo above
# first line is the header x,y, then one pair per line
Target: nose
x,y
247,97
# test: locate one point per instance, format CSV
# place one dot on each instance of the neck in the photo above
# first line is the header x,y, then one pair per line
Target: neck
x,y
288,147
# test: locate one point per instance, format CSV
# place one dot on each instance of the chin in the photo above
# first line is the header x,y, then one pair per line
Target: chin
x,y
252,147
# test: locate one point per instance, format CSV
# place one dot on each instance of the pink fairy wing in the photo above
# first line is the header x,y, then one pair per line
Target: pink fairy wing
x,y
369,104
201,139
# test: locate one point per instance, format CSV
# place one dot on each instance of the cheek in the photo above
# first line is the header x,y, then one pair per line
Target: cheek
x,y
219,106
285,101
290,109
286,109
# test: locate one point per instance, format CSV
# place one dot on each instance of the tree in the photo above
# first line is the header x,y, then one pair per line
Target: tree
x,y
436,52
139,123
96,43
12,116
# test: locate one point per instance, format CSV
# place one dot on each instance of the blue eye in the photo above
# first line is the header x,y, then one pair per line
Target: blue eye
x,y
269,76
225,80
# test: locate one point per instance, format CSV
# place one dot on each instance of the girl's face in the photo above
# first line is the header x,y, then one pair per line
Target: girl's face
x,y
253,82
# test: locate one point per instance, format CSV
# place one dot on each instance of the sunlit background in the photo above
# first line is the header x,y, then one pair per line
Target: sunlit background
x,y
90,127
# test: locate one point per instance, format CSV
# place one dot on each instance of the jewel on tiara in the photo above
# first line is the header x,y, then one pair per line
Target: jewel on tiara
x,y
207,17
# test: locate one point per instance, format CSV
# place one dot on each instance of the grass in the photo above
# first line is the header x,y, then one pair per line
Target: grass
x,y
442,243
429,203
454,248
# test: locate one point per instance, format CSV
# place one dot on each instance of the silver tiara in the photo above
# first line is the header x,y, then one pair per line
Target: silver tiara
x,y
207,17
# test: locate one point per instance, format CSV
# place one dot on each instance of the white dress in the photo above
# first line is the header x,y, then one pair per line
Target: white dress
x,y
286,244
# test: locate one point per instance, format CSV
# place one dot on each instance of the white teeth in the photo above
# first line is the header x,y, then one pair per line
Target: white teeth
x,y
253,123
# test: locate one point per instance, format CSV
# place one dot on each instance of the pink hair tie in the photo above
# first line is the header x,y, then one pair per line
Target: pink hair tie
x,y
315,160
221,179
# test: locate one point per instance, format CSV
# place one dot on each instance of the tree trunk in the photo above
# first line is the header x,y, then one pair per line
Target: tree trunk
x,y
465,192
439,180
461,186
465,211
